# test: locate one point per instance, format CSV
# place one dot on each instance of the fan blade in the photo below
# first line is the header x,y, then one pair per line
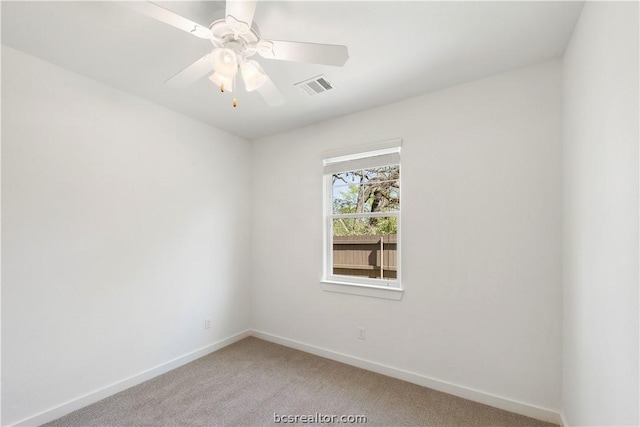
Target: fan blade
x,y
239,15
328,54
270,93
161,14
193,72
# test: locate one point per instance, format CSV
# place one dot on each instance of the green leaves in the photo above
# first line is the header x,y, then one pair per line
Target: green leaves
x,y
366,191
365,226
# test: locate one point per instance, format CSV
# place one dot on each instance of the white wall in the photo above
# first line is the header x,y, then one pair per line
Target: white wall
x,y
481,176
125,225
600,372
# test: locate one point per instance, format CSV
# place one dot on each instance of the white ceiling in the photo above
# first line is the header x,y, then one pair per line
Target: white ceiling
x,y
397,50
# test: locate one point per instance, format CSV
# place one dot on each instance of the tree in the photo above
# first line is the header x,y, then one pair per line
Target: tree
x,y
368,190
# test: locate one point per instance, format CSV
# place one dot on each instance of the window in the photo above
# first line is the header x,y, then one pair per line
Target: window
x,y
362,218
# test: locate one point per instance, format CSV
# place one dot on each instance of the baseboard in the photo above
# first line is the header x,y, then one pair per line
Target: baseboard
x,y
89,398
454,389
506,404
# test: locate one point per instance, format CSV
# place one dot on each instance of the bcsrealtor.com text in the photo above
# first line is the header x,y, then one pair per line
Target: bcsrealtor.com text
x,y
319,418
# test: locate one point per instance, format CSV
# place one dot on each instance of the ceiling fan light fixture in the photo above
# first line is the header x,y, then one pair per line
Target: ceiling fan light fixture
x,y
224,62
225,83
253,75
235,38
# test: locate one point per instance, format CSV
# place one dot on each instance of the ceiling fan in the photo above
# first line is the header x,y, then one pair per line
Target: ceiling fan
x,y
236,38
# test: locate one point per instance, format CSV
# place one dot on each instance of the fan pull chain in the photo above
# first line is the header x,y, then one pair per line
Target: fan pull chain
x,y
233,83
233,87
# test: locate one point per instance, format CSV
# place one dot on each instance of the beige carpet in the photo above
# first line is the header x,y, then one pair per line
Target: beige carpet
x,y
245,383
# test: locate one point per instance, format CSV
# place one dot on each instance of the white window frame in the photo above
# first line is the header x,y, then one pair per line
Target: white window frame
x,y
380,288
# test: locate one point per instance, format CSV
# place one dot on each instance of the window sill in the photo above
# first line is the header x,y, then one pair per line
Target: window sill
x,y
362,290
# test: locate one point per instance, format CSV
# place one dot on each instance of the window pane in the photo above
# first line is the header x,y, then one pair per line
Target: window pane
x,y
365,247
368,190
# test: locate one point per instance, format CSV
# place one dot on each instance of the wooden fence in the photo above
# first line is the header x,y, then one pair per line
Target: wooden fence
x,y
366,256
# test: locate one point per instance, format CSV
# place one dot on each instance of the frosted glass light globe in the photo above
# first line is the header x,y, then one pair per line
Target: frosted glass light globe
x,y
224,62
253,75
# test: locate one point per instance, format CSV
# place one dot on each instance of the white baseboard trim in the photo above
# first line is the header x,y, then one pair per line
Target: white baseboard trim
x,y
506,404
456,390
94,396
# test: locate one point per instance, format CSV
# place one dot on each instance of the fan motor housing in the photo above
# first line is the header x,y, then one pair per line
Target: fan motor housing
x,y
222,31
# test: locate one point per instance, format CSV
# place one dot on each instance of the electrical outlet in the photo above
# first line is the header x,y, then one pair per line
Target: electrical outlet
x,y
362,333
207,323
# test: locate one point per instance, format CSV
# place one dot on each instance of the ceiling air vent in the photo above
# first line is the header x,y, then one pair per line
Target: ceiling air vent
x,y
315,85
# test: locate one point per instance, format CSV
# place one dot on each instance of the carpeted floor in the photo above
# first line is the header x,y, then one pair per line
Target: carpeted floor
x,y
248,382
